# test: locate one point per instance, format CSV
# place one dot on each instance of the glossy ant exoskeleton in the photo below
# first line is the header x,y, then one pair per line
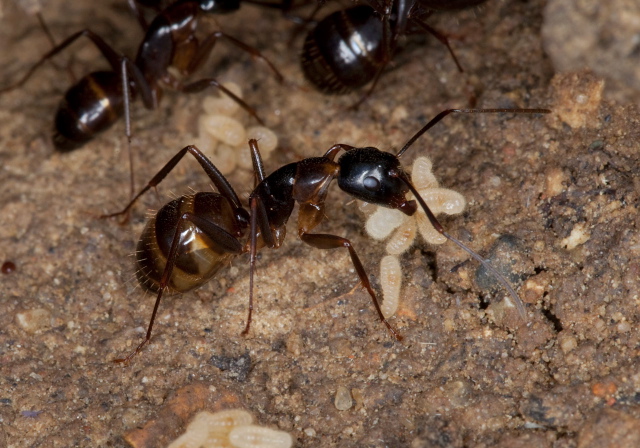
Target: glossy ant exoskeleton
x,y
100,98
188,240
351,47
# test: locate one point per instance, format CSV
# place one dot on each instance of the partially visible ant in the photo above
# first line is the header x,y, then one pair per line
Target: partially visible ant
x,y
351,47
226,6
100,98
189,239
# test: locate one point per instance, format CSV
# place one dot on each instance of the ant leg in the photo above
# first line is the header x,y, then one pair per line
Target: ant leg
x,y
256,158
221,183
46,30
253,249
135,9
209,42
127,67
389,41
109,53
259,226
443,40
259,217
224,239
198,86
326,241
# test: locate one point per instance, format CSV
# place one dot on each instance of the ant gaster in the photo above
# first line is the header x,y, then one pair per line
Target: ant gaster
x,y
188,240
100,98
351,47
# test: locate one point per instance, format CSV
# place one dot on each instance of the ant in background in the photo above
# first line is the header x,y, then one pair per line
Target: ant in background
x,y
100,98
189,239
351,47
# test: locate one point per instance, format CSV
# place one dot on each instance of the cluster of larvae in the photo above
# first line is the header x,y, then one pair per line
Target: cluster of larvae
x,y
230,428
223,135
382,221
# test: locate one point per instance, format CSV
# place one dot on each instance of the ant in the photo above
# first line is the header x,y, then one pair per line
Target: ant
x,y
189,239
99,99
351,47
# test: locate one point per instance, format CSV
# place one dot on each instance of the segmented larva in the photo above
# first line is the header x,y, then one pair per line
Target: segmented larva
x,y
382,222
231,428
224,137
253,436
391,282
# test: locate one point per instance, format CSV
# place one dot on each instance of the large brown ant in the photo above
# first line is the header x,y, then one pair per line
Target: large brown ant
x,y
100,98
189,239
351,47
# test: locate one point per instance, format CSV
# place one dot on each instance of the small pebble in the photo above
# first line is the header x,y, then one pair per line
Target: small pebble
x,y
34,320
8,267
343,400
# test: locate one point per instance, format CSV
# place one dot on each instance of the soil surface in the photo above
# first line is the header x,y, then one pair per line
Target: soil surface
x,y
552,203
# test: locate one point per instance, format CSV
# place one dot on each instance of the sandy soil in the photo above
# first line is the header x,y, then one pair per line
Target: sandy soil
x,y
552,202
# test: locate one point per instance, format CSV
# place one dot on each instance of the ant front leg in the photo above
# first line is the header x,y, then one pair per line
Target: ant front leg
x,y
309,215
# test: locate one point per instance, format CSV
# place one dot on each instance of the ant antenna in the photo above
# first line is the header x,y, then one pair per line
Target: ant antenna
x,y
436,224
446,112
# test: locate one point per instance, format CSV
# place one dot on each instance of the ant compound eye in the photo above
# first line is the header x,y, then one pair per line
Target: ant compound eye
x,y
371,183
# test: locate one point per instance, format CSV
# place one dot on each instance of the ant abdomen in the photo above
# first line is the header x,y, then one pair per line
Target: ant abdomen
x,y
198,257
344,51
91,106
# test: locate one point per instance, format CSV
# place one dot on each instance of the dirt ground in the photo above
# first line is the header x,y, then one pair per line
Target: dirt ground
x,y
552,202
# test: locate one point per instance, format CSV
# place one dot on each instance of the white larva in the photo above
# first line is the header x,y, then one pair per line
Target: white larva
x,y
383,221
267,139
253,436
223,104
390,282
224,129
403,238
194,437
225,158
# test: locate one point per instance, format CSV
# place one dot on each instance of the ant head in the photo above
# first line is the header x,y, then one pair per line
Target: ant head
x,y
375,176
219,6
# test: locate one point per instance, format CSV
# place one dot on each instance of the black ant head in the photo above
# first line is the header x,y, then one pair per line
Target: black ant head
x,y
377,177
219,6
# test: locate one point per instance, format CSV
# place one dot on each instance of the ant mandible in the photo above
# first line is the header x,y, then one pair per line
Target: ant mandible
x,y
189,239
351,47
100,98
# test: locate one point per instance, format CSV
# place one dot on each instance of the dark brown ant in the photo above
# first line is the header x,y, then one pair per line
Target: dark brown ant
x,y
188,240
100,98
351,47
228,6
